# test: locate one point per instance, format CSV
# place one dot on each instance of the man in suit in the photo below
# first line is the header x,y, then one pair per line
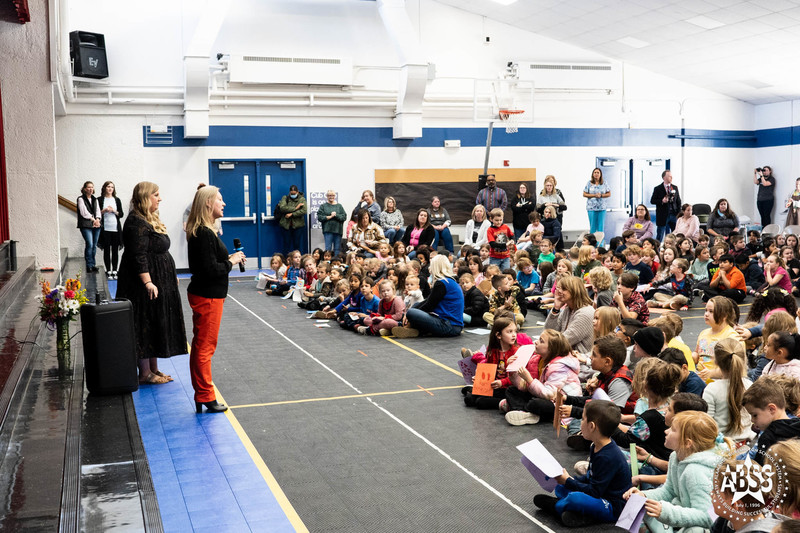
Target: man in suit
x,y
668,204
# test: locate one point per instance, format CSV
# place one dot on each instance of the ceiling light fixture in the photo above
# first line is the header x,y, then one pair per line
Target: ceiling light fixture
x,y
504,2
705,22
633,42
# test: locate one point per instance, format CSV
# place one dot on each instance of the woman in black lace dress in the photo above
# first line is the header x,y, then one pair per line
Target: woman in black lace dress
x,y
147,278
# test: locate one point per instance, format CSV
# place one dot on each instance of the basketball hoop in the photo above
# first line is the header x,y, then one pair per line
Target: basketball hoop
x,y
511,119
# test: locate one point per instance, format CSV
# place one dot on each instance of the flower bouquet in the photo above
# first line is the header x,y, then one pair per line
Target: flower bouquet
x,y
58,307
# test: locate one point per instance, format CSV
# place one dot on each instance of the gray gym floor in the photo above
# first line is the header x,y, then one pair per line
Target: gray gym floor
x,y
371,434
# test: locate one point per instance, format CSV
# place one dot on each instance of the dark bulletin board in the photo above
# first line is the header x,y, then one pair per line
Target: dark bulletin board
x,y
456,188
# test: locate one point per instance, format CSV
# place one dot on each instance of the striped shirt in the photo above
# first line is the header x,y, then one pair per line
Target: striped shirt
x,y
491,198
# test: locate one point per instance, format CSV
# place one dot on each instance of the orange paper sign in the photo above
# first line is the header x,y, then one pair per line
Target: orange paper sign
x,y
484,375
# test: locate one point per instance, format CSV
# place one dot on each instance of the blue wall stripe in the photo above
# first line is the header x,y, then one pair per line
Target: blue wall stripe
x,y
435,137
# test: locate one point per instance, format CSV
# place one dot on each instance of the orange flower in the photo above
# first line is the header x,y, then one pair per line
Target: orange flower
x,y
45,287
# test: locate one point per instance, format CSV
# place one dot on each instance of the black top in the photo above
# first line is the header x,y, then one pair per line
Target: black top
x,y
520,210
475,305
158,322
426,237
766,193
654,443
209,265
777,431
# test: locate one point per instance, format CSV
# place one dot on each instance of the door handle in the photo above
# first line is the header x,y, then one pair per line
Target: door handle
x,y
264,218
251,218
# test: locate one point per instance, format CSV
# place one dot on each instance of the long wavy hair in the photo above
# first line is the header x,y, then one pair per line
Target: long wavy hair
x,y
140,205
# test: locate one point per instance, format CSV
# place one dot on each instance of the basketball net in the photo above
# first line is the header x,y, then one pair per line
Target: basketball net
x,y
511,118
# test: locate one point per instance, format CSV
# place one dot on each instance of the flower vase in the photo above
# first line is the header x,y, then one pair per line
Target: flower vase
x,y
63,350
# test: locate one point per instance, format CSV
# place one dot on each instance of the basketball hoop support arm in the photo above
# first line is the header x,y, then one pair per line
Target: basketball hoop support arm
x,y
488,148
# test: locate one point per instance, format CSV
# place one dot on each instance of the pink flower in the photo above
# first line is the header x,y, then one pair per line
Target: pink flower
x,y
69,294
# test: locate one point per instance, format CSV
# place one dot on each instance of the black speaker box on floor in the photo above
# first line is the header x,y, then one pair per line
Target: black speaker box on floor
x,y
109,347
88,53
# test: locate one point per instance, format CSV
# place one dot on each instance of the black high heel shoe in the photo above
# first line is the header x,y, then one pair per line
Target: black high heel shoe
x,y
211,407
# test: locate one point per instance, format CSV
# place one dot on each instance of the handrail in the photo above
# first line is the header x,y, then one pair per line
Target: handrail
x,y
69,204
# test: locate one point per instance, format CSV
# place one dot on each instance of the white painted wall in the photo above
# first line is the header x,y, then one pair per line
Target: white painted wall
x,y
28,134
93,144
784,160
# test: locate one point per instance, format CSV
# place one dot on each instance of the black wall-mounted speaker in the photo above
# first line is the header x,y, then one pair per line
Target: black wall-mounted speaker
x,y
88,53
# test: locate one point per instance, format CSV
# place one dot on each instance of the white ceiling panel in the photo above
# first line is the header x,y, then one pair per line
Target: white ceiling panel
x,y
758,41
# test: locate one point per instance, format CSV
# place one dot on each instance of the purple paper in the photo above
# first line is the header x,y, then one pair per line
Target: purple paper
x,y
468,368
547,483
632,515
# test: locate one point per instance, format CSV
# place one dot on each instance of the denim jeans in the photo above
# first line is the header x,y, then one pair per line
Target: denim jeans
x,y
597,221
583,503
394,235
333,242
90,236
503,263
446,237
427,323
662,230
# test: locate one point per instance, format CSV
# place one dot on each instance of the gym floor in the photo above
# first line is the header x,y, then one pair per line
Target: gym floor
x,y
333,431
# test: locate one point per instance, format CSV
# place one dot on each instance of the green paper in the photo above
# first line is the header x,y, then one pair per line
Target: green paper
x,y
634,461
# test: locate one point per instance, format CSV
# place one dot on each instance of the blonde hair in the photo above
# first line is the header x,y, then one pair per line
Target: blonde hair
x,y
140,205
788,451
608,318
552,210
729,355
441,268
600,277
202,211
698,427
639,382
549,178
585,254
779,321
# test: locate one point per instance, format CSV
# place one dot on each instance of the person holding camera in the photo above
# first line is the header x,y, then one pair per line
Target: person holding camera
x,y
667,200
765,200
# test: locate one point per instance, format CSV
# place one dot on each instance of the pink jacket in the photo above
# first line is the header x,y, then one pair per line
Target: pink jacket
x,y
561,372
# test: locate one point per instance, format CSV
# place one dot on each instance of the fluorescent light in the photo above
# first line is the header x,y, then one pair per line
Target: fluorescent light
x,y
705,22
504,2
633,42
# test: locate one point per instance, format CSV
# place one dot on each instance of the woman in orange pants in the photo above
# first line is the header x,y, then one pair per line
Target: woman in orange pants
x,y
209,264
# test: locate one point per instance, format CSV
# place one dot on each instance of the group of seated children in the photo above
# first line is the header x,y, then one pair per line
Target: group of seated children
x,y
639,389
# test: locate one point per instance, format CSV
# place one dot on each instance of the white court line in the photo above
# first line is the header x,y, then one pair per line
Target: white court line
x,y
414,432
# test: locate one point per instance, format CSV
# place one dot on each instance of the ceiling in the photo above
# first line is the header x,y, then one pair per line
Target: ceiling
x,y
749,50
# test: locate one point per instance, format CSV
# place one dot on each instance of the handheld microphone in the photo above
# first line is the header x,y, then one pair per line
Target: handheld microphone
x,y
237,247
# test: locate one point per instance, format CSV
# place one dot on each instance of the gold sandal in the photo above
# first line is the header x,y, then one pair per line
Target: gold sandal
x,y
167,376
153,379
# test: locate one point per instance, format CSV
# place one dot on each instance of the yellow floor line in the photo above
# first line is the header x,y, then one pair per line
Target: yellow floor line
x,y
307,400
272,483
434,361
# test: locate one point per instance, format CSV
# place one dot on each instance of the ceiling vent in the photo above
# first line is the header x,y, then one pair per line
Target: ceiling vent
x,y
566,76
291,70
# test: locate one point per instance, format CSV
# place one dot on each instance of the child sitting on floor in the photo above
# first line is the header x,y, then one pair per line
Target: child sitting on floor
x,y
389,314
683,501
475,304
648,429
502,346
531,398
765,401
504,296
596,496
630,303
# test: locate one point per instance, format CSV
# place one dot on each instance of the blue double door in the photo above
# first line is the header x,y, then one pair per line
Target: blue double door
x,y
251,190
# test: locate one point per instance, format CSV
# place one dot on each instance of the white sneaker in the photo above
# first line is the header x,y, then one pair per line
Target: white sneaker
x,y
362,329
581,467
521,418
503,406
